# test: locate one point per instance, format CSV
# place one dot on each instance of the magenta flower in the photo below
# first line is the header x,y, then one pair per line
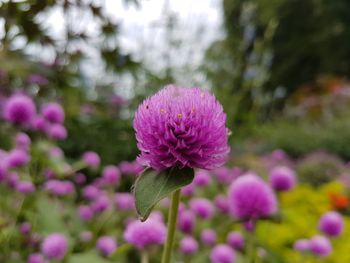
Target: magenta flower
x,y
17,157
36,258
22,141
202,208
124,201
302,245
222,204
188,245
251,198
144,234
320,246
85,213
331,224
55,246
53,112
111,175
186,221
19,109
91,159
25,187
235,240
222,254
282,178
202,178
57,132
208,237
181,127
106,245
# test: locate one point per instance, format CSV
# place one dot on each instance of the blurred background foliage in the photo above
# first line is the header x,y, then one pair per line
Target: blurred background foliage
x,y
280,68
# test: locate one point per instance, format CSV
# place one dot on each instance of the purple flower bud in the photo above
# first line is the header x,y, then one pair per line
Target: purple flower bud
x,y
85,236
25,187
282,178
53,112
80,178
235,240
85,213
55,246
17,158
302,245
19,109
202,178
57,132
111,175
251,198
56,152
186,221
222,204
36,258
331,224
202,208
223,175
188,190
222,254
124,201
320,246
25,228
91,159
12,180
22,141
91,192
188,245
144,234
59,188
208,237
39,124
100,204
106,245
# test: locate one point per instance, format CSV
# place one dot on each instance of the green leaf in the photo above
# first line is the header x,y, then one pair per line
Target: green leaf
x,y
152,186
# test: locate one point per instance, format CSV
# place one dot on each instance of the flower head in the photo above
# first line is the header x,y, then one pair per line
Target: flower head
x,y
144,234
208,237
106,245
202,208
331,224
124,201
19,109
222,254
111,174
302,245
181,127
188,245
320,246
186,221
53,112
55,246
91,159
282,178
235,240
251,198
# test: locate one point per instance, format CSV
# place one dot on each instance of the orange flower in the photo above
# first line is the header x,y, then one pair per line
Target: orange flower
x,y
338,201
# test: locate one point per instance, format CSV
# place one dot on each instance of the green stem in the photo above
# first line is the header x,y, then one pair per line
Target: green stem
x,y
251,248
144,256
175,200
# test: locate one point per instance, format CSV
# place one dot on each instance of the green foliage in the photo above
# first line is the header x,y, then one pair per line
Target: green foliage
x,y
319,168
152,186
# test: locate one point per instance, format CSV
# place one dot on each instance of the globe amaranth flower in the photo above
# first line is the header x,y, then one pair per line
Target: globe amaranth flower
x,y
235,240
186,221
59,188
202,178
222,253
208,237
56,132
22,141
106,245
302,245
332,224
91,159
124,201
251,198
222,204
188,245
282,178
85,213
202,208
181,127
53,112
111,174
25,187
144,234
320,246
55,246
25,228
17,157
36,258
19,109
